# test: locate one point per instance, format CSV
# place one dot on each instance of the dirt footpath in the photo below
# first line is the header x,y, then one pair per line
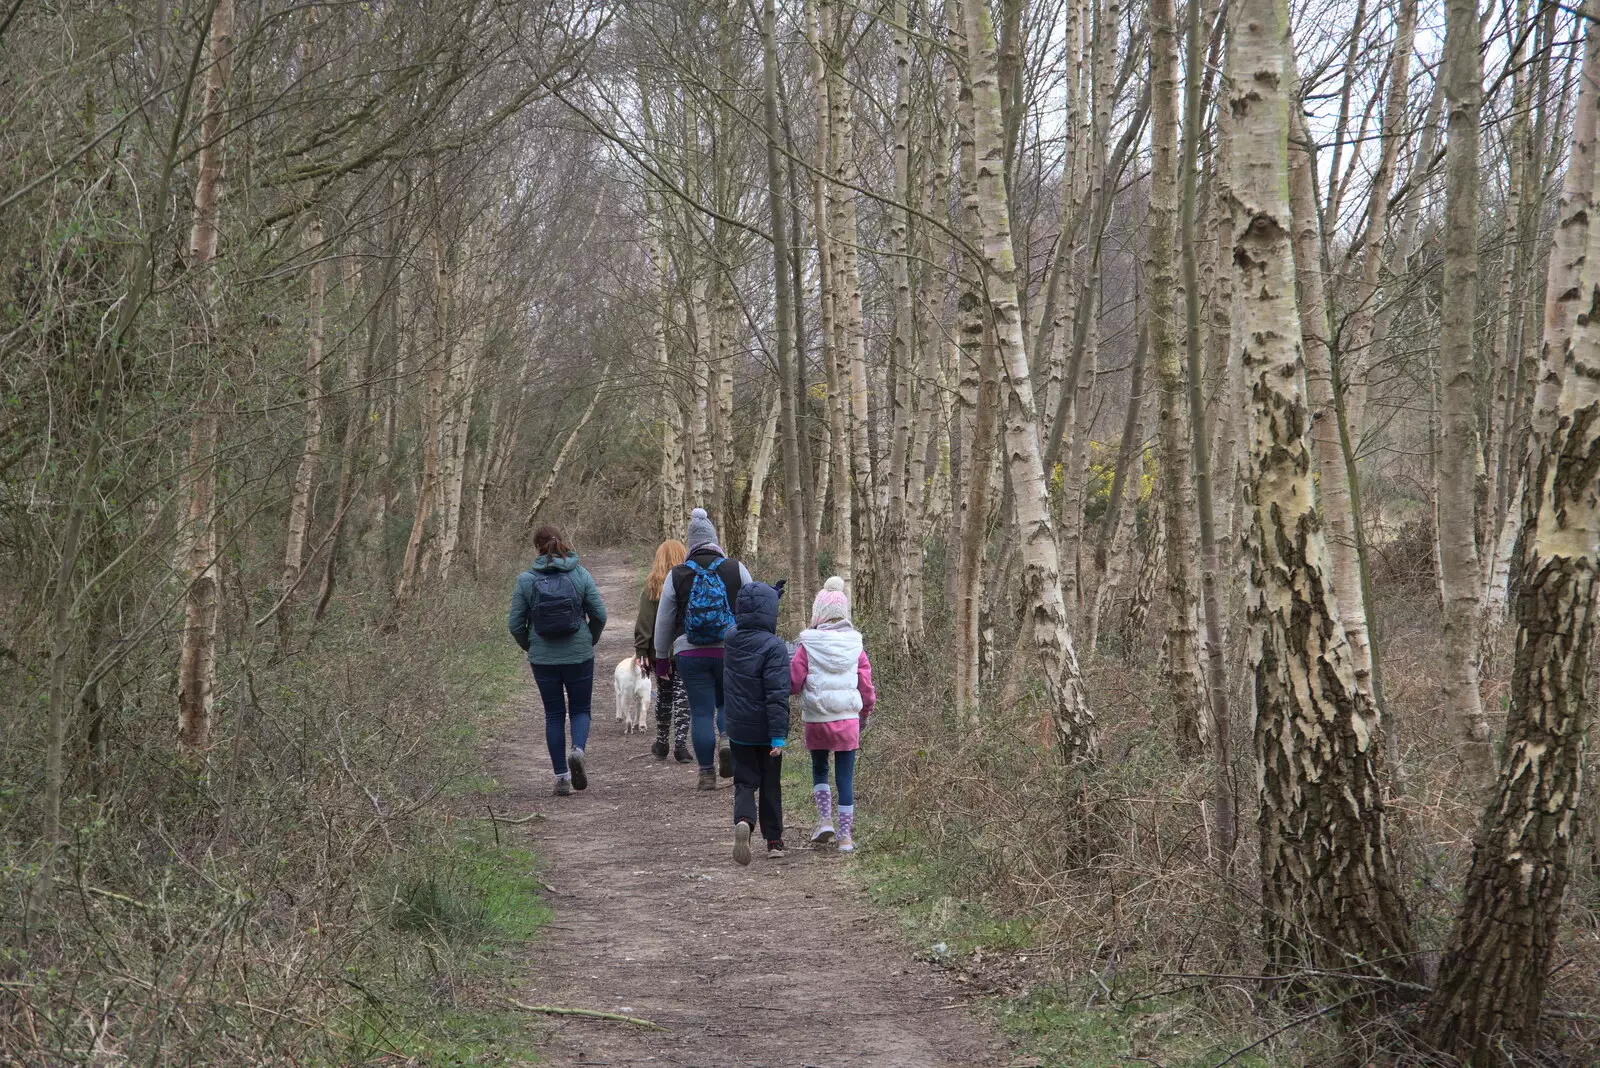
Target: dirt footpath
x,y
778,965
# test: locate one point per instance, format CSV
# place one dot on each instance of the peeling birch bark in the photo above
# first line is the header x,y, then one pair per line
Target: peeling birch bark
x,y
1329,896
1490,987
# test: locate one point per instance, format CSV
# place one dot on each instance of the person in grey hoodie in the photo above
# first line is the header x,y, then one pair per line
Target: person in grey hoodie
x,y
556,617
699,664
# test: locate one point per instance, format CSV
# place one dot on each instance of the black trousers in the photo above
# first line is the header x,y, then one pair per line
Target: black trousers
x,y
758,789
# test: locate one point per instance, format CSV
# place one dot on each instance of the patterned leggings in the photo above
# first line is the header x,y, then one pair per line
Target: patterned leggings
x,y
672,711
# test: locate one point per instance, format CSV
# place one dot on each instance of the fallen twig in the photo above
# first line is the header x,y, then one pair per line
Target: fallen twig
x,y
99,892
588,1014
513,821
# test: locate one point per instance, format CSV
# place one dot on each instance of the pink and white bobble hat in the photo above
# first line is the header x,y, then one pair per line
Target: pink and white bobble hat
x,y
831,603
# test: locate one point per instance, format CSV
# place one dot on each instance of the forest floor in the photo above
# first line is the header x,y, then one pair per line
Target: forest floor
x,y
783,963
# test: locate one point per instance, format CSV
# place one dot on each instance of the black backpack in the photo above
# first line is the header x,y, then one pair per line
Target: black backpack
x,y
557,610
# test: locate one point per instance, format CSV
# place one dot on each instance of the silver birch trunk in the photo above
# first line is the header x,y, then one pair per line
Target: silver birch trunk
x,y
1183,676
673,506
766,436
1224,797
921,491
1151,560
311,450
902,344
457,437
1076,731
786,325
1316,335
197,659
834,313
560,462
1120,521
1488,996
1328,887
723,335
1458,467
412,567
1506,484
973,425
848,309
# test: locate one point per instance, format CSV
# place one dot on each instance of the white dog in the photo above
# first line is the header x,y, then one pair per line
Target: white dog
x,y
634,695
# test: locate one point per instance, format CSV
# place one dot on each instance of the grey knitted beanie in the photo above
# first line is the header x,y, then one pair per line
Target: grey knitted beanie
x,y
701,530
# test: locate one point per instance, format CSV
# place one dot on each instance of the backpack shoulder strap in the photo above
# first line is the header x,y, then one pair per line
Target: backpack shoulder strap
x,y
714,569
732,580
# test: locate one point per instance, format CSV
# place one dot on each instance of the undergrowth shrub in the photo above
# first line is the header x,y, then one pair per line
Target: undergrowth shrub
x,y
302,892
1077,889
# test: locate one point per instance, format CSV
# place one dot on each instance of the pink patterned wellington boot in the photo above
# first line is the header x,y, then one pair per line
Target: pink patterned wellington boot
x,y
847,823
824,833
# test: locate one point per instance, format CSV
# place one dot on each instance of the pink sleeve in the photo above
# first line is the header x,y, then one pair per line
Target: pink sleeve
x,y
798,666
869,695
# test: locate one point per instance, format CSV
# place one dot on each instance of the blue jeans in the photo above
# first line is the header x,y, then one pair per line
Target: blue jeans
x,y
567,690
844,770
702,680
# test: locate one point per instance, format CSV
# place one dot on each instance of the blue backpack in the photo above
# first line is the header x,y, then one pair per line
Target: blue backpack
x,y
708,617
557,610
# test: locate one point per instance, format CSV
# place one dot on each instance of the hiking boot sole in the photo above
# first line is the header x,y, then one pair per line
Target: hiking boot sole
x,y
725,761
580,778
741,843
823,836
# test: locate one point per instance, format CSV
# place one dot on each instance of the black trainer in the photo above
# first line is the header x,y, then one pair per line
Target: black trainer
x,y
658,749
580,779
681,754
775,848
725,760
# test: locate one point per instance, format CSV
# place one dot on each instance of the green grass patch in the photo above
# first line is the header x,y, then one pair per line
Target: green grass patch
x,y
914,884
459,916
1059,1033
493,669
461,911
1056,1026
444,1037
476,894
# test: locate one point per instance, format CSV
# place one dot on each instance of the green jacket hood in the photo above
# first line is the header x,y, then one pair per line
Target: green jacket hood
x,y
546,562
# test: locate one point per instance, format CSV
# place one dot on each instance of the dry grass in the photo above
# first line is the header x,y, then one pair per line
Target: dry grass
x,y
302,893
1102,887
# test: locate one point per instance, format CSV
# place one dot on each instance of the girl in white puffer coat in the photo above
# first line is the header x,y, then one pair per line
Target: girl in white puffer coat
x,y
831,672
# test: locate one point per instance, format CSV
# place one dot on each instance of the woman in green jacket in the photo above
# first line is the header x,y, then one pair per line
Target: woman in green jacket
x,y
556,617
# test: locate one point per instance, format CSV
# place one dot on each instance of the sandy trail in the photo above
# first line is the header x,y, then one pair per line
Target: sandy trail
x,y
777,964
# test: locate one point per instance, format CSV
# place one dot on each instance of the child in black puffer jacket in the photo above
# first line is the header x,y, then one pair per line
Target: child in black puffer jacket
x,y
756,703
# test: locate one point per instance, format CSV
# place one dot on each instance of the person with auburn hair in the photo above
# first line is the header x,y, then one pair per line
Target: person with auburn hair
x,y
672,701
556,617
